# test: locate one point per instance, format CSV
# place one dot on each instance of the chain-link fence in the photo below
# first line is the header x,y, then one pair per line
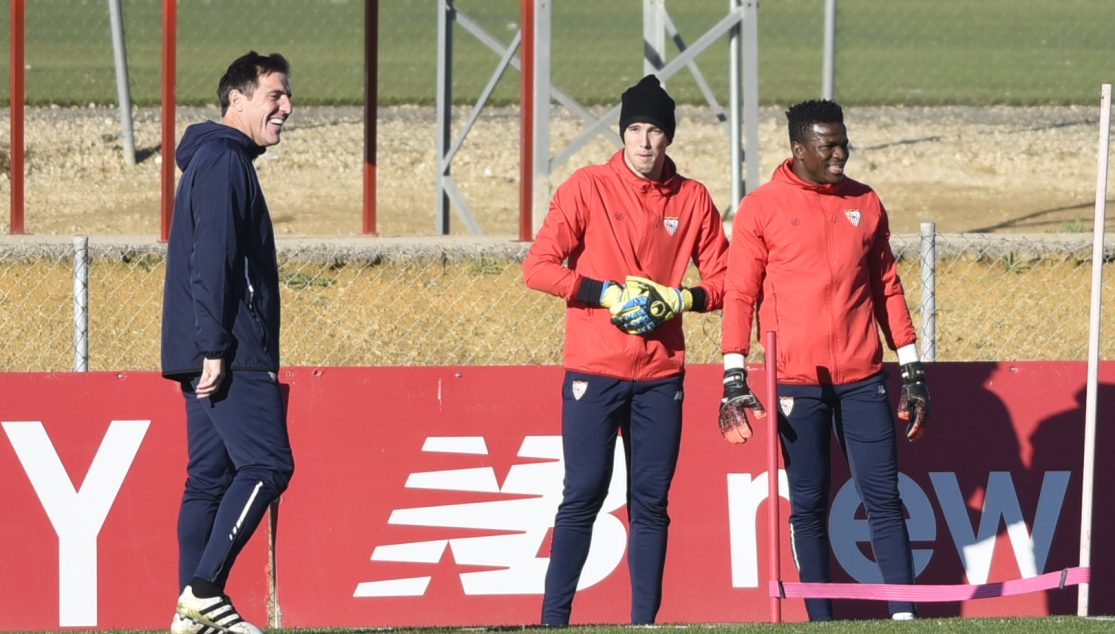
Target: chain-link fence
x,y
464,303
964,163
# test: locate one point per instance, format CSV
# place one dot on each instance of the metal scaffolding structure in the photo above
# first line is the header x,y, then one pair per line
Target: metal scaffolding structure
x,y
741,121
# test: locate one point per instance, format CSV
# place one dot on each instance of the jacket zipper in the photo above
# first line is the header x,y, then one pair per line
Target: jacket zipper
x,y
252,303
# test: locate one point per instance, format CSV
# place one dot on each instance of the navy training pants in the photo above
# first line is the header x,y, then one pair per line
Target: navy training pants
x,y
240,462
594,409
860,415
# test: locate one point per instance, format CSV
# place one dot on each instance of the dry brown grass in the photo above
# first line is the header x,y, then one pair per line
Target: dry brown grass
x,y
947,165
477,311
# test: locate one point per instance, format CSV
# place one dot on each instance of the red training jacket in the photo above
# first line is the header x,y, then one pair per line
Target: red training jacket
x,y
816,260
609,223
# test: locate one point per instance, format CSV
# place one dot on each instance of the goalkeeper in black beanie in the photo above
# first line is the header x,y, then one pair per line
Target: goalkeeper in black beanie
x,y
616,245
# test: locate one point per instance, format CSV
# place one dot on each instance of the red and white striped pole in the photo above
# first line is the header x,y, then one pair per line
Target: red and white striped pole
x,y
770,347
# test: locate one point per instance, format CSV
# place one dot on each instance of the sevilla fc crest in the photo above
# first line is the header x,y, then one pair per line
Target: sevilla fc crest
x,y
579,389
671,225
853,216
787,405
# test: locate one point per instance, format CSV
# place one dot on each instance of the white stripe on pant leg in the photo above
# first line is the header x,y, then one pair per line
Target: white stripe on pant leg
x,y
240,521
794,548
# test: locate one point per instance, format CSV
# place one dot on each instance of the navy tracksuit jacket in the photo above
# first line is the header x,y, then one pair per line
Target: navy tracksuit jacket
x,y
222,280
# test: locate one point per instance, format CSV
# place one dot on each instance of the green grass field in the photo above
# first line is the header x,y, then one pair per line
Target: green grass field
x,y
914,52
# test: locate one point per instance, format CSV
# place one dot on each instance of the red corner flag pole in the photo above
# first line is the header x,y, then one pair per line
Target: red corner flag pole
x,y
770,348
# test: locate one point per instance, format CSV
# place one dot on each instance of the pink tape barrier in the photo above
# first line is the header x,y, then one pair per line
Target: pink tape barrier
x,y
929,593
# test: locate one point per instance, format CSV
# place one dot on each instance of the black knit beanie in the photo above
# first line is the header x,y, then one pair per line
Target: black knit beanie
x,y
647,102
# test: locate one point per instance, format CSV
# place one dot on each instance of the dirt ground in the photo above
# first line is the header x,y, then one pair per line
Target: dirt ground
x,y
1000,169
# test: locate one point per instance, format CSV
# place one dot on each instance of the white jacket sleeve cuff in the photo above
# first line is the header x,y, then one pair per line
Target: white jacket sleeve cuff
x,y
906,354
734,360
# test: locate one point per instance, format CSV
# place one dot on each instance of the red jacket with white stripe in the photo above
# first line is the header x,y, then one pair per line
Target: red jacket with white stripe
x,y
817,263
609,223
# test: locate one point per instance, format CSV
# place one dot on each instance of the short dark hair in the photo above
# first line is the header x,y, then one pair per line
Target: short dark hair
x,y
244,73
801,117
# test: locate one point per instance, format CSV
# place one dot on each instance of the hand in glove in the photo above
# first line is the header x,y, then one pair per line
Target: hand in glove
x,y
610,294
913,405
738,398
646,305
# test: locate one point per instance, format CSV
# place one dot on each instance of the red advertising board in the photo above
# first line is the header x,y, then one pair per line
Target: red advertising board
x,y
92,468
425,496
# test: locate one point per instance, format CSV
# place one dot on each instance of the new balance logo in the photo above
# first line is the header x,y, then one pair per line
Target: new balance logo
x,y
519,525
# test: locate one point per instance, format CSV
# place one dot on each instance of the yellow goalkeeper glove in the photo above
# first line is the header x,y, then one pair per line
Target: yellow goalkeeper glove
x,y
646,305
611,294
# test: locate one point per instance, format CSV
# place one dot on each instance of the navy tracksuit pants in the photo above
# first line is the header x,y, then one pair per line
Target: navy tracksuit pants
x,y
240,462
860,415
594,409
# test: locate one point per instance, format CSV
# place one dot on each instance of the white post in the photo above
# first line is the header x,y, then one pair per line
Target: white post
x,y
123,94
654,38
828,70
928,291
751,91
81,303
735,106
1089,468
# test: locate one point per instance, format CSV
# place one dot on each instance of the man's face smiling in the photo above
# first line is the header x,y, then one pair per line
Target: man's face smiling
x,y
263,114
819,159
644,149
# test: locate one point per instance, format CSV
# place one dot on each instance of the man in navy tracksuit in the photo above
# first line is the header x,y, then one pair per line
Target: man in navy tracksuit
x,y
220,339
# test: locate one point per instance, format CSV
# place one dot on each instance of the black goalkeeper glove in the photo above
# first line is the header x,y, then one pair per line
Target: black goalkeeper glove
x,y
738,398
913,405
